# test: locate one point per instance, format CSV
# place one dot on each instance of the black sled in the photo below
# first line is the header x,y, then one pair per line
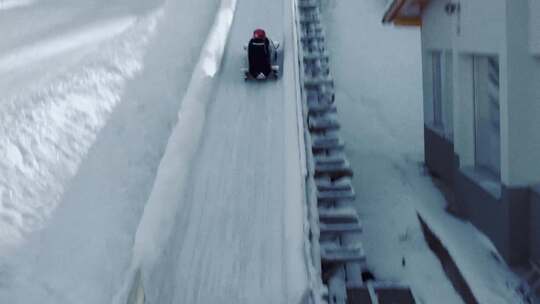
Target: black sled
x,y
262,58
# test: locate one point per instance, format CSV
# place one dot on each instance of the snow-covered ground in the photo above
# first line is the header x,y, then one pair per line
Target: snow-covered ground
x,y
378,78
10,4
57,94
84,126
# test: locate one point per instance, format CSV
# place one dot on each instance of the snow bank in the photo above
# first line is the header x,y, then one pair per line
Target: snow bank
x,y
85,241
158,218
93,34
9,4
47,127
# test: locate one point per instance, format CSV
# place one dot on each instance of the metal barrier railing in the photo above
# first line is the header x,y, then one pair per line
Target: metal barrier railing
x,y
337,257
334,226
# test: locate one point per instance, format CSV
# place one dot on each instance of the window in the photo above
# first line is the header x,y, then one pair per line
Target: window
x,y
442,93
486,116
437,89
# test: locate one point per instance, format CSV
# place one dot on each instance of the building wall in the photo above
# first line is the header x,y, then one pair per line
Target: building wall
x,y
436,26
438,143
501,28
482,26
478,28
435,37
479,31
534,27
523,108
535,223
489,28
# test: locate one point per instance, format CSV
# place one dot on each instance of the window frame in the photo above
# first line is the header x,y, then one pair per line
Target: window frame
x,y
487,117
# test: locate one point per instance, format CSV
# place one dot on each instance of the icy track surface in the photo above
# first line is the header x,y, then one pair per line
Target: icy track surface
x,y
237,234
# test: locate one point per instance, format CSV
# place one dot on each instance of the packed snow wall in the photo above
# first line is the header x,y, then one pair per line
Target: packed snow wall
x,y
157,222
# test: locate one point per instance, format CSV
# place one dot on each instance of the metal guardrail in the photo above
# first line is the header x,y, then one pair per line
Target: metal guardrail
x,y
329,189
336,253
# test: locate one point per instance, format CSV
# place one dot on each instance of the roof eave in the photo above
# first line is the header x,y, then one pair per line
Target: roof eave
x,y
408,21
392,10
395,12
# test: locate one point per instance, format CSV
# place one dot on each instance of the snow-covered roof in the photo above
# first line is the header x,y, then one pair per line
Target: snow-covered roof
x,y
405,12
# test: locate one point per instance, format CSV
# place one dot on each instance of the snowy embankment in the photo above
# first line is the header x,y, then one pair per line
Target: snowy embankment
x,y
378,79
48,125
84,130
9,4
158,219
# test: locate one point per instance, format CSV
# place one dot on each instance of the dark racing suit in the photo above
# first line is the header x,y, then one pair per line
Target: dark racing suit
x,y
259,56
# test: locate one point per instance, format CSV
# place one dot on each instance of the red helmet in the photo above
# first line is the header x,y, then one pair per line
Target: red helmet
x,y
259,34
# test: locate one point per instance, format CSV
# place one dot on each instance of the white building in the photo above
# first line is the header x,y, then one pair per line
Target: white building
x,y
481,80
